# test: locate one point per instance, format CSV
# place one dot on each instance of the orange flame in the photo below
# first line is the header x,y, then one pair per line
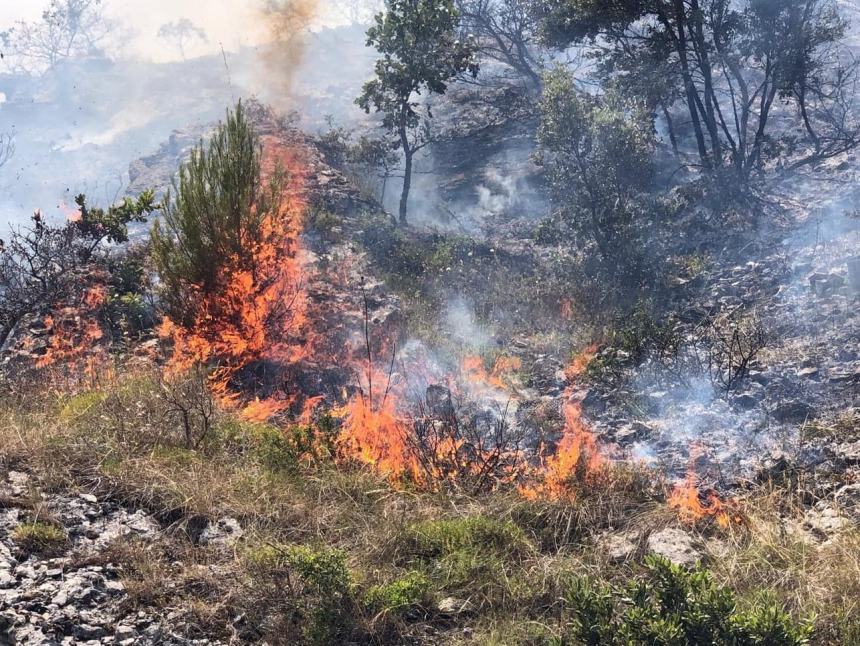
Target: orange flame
x,y
693,506
262,304
378,434
373,434
75,332
474,372
577,453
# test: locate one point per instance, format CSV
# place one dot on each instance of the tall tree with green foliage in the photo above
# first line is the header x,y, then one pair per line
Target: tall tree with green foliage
x,y
729,65
597,151
216,217
420,53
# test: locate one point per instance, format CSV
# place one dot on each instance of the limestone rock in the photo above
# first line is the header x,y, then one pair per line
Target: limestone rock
x,y
676,545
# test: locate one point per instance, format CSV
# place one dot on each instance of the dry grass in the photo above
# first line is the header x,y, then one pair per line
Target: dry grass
x,y
120,442
811,578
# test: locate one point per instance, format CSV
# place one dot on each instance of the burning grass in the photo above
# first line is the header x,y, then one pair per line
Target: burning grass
x,y
506,560
695,505
362,515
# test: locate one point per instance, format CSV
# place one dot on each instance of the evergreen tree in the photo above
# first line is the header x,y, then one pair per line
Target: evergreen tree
x,y
221,202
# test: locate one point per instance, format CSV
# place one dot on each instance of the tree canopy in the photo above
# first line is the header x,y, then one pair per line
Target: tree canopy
x,y
734,67
420,53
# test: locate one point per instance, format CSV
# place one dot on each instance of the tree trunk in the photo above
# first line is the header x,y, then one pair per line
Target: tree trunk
x,y
680,39
700,46
670,126
407,183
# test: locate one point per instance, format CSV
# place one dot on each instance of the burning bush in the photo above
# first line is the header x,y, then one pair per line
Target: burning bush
x,y
43,263
228,257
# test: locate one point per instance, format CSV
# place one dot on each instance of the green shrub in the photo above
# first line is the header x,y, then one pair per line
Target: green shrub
x,y
76,406
129,313
39,537
478,556
400,596
672,607
278,449
325,223
275,448
641,335
312,589
436,538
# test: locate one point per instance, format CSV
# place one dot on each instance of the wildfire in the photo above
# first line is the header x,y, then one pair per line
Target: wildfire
x,y
577,454
375,435
262,306
75,331
693,505
474,372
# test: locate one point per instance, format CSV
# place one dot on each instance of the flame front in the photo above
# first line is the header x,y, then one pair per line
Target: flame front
x,y
577,454
693,506
262,306
75,332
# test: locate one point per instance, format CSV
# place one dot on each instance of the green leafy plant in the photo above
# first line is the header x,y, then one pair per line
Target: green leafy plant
x,y
673,606
313,585
399,596
420,52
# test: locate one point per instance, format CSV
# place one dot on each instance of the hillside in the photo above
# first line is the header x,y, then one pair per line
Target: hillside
x,y
597,384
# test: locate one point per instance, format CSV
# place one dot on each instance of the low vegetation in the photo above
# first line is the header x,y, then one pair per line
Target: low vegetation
x,y
333,554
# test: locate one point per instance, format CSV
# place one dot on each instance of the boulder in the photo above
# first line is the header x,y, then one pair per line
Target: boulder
x,y
676,545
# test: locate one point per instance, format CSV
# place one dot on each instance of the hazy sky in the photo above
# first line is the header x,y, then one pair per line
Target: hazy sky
x,y
231,22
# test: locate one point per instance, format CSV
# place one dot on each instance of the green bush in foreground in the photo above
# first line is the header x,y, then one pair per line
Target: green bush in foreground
x,y
311,588
400,596
673,607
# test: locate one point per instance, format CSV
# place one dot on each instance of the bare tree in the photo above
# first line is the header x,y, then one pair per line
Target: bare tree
x,y
506,31
358,12
68,28
7,148
181,33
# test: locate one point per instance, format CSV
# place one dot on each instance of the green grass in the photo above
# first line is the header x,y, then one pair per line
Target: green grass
x,y
39,537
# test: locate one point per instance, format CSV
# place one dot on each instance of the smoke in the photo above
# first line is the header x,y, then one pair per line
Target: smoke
x,y
287,23
462,326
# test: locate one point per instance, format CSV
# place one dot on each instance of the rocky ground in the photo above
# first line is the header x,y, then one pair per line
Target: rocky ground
x,y
69,592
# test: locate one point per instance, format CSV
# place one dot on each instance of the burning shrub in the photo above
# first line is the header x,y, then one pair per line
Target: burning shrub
x,y
222,214
673,606
228,260
43,263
